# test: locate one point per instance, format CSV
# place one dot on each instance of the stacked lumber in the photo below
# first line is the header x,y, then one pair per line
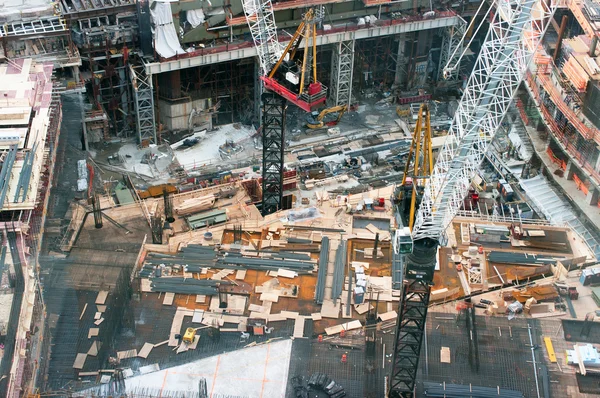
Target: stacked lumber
x,y
195,205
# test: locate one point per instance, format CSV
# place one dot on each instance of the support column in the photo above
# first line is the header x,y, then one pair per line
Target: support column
x,y
144,104
451,50
401,65
570,170
342,67
258,91
592,197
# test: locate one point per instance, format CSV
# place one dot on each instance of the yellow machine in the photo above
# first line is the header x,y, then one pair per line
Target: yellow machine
x,y
318,121
402,112
416,174
189,335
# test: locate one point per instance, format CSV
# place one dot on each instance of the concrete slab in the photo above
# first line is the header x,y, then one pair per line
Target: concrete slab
x,y
259,371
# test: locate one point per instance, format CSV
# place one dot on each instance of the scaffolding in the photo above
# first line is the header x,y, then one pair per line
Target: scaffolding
x,y
342,66
144,104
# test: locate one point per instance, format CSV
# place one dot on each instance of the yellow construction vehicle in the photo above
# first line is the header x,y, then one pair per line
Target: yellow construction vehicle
x,y
317,120
189,335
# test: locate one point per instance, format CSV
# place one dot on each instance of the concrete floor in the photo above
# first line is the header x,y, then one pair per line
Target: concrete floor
x,y
260,371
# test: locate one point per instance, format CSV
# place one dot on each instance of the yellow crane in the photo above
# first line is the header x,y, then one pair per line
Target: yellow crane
x,y
318,121
418,168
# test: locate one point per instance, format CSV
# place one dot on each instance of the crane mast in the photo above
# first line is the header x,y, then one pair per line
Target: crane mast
x,y
515,31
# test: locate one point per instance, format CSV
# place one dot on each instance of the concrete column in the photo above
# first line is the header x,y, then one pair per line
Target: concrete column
x,y
570,170
401,64
592,197
76,75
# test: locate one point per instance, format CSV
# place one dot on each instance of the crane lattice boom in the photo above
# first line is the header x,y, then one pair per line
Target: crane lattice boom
x,y
261,21
514,34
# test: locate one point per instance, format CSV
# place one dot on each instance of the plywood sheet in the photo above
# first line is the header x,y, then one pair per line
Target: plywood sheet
x,y
330,309
240,274
149,368
79,361
93,351
274,297
145,351
200,298
316,316
386,316
445,355
168,299
362,308
284,273
101,298
101,308
93,332
99,321
198,315
290,314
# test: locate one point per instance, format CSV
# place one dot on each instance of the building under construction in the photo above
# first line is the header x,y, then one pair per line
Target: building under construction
x,y
235,199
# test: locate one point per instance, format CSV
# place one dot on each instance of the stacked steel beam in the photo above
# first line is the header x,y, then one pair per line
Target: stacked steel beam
x,y
459,391
338,272
206,287
322,272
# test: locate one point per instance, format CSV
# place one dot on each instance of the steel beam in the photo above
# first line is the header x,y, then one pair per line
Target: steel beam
x,y
322,40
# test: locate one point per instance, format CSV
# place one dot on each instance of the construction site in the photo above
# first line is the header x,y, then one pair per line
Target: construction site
x,y
344,198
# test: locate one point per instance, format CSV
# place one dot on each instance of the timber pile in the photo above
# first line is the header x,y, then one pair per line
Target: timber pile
x,y
195,205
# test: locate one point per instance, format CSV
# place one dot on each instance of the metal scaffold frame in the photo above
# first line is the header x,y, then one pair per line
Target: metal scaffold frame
x,y
273,143
452,48
261,21
144,104
514,34
342,67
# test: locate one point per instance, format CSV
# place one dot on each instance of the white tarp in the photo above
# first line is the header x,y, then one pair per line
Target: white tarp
x,y
195,17
166,42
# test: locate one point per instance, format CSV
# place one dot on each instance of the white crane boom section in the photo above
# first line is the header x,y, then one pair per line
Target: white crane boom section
x,y
261,21
515,33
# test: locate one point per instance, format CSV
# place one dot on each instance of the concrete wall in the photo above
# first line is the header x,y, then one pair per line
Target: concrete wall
x,y
175,115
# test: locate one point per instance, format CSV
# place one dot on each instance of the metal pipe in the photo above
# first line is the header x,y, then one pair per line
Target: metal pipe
x,y
593,46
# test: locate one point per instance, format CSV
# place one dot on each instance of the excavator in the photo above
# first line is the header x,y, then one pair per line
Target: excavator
x,y
317,120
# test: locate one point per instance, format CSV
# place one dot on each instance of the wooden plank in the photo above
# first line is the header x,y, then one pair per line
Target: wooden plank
x,y
299,327
83,312
79,361
386,316
93,332
127,354
290,314
97,315
200,298
101,308
161,343
550,349
168,299
99,321
344,326
285,273
88,374
316,316
101,298
145,351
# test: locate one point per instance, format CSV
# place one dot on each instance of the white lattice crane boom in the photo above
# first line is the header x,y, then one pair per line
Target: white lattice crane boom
x,y
513,36
261,21
515,32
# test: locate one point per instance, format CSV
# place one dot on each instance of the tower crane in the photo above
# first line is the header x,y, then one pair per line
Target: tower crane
x,y
286,76
514,34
